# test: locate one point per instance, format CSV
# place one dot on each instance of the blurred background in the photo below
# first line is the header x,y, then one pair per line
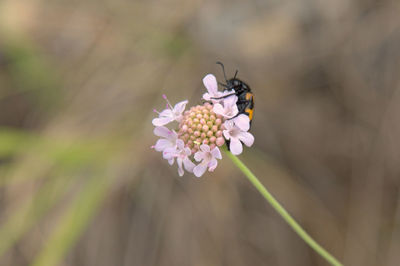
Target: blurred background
x,y
79,184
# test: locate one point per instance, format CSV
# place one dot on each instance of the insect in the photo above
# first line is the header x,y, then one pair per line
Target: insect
x,y
245,102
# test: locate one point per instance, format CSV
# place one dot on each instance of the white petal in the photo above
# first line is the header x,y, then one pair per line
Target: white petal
x,y
216,153
210,82
180,107
171,161
218,109
235,146
162,121
242,121
246,138
199,170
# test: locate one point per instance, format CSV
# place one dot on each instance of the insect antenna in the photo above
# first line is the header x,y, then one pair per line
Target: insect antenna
x,y
235,74
223,70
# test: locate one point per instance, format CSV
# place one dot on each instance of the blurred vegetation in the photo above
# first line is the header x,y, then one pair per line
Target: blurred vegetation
x,y
79,184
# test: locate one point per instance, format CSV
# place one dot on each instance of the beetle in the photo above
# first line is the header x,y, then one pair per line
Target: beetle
x,y
245,102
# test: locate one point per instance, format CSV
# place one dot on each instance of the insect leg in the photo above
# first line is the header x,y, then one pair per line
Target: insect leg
x,y
217,98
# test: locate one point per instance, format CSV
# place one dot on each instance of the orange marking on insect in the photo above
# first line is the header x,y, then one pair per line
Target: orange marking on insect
x,y
249,112
249,96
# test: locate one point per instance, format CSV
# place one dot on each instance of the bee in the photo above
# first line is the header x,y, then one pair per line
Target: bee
x,y
245,102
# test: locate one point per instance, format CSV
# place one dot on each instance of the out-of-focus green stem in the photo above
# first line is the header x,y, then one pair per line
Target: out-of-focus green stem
x,y
281,210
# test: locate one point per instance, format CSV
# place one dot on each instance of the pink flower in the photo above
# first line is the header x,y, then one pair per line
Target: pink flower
x,y
181,153
236,137
170,114
210,82
208,159
229,109
168,138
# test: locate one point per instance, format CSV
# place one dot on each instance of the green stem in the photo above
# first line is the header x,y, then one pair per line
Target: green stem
x,y
285,215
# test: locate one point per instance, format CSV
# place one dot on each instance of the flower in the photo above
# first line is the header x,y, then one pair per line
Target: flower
x,y
201,130
236,136
208,158
210,82
170,114
229,110
181,153
168,138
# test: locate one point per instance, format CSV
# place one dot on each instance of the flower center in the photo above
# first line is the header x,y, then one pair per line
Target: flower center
x,y
200,125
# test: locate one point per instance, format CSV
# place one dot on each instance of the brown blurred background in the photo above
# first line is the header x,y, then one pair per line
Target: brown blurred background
x,y
80,186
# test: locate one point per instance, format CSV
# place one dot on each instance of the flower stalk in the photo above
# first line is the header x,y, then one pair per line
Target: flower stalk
x,y
282,211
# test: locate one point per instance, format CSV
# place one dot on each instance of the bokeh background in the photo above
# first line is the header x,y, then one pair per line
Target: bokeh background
x,y
79,184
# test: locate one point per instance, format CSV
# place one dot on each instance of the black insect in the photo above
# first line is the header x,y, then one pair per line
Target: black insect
x,y
245,102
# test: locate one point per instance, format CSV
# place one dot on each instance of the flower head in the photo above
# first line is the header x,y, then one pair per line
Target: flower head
x,y
200,125
202,130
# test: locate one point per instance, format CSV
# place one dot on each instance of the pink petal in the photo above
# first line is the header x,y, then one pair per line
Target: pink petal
x,y
212,165
233,111
228,124
207,96
180,144
162,132
180,107
189,165
199,170
198,156
162,144
205,148
226,134
216,153
169,153
246,138
166,113
230,101
162,121
242,121
210,82
180,169
236,146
